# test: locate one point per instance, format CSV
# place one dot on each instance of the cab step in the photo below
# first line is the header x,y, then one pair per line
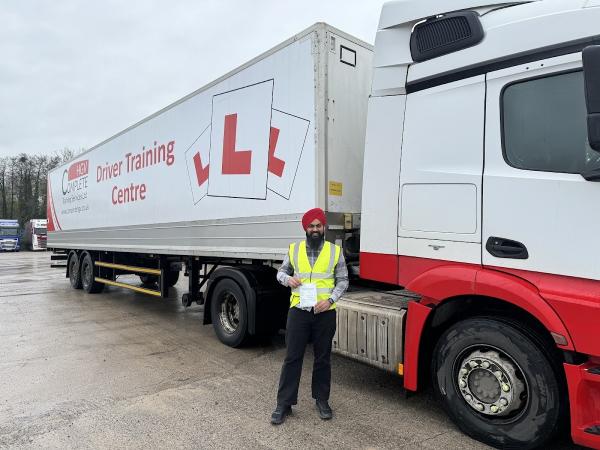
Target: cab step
x,y
595,429
594,370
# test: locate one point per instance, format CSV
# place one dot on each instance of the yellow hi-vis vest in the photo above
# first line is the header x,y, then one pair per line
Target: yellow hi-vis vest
x,y
322,274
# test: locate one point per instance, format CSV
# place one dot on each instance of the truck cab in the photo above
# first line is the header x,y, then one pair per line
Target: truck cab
x,y
10,240
35,234
479,195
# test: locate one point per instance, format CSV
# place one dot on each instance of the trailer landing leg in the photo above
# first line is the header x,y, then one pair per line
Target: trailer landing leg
x,y
194,294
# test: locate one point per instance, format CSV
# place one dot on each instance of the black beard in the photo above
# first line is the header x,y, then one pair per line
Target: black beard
x,y
314,239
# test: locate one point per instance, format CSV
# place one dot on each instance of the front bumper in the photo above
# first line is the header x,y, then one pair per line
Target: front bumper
x,y
584,394
9,245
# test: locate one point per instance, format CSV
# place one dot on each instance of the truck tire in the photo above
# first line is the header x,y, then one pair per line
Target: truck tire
x,y
498,384
74,272
229,313
89,284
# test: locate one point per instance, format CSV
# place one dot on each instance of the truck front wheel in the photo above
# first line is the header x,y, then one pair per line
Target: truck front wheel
x,y
89,284
229,313
498,384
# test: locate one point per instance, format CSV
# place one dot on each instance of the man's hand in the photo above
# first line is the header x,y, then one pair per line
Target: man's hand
x,y
294,282
322,306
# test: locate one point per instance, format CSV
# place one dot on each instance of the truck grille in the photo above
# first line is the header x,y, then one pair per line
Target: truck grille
x,y
8,245
442,35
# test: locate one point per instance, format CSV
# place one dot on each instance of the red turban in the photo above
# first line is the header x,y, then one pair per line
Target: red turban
x,y
312,214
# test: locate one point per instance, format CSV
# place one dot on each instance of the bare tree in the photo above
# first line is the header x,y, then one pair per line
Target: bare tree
x,y
3,176
23,183
40,164
12,164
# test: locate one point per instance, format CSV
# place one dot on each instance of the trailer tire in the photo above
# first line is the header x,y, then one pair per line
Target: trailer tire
x,y
89,284
74,271
229,313
496,381
172,276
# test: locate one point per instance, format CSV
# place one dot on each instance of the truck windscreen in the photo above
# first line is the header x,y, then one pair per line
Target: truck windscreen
x,y
9,231
39,231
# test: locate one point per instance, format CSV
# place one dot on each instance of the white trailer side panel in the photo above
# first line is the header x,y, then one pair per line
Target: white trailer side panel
x,y
226,171
349,84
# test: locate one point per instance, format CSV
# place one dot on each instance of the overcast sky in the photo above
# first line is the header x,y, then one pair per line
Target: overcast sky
x,y
75,72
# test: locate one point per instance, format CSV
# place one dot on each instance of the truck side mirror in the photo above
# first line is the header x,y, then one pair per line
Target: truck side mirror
x,y
591,73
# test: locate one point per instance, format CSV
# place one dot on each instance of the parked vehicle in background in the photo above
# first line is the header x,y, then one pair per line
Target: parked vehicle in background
x,y
464,154
10,240
35,234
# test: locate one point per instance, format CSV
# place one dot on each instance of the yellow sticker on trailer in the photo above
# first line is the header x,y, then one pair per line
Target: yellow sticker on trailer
x,y
335,188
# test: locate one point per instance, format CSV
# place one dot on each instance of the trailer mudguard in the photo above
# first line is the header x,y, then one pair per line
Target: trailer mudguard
x,y
266,300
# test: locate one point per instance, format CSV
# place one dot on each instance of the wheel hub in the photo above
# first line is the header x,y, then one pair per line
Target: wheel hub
x,y
485,386
230,313
489,383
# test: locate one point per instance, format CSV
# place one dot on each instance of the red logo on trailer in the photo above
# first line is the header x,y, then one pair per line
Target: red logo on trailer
x,y
78,169
238,161
276,165
252,147
75,178
235,162
201,171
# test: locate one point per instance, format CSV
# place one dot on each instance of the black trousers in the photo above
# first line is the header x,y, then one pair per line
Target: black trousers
x,y
303,326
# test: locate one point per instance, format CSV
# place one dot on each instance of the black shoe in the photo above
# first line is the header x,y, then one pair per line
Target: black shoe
x,y
278,416
325,411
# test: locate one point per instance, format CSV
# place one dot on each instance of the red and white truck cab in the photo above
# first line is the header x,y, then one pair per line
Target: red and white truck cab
x,y
480,194
35,234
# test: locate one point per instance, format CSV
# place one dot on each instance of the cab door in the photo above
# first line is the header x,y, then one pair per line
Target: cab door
x,y
539,211
440,177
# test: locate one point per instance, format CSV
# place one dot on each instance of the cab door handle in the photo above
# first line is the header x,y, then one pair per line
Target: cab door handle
x,y
506,248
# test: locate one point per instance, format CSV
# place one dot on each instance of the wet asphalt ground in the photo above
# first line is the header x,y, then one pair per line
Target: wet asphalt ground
x,y
126,370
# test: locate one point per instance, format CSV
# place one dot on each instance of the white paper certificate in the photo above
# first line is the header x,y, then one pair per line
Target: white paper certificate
x,y
308,295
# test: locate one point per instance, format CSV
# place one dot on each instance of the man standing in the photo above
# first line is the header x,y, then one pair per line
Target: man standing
x,y
316,272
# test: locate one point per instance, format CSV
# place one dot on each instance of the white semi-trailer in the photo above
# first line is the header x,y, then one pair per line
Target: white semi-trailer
x,y
462,155
230,166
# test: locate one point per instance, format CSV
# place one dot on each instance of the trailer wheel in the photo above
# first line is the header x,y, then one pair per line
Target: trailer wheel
x,y
74,272
172,277
498,384
229,313
89,285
